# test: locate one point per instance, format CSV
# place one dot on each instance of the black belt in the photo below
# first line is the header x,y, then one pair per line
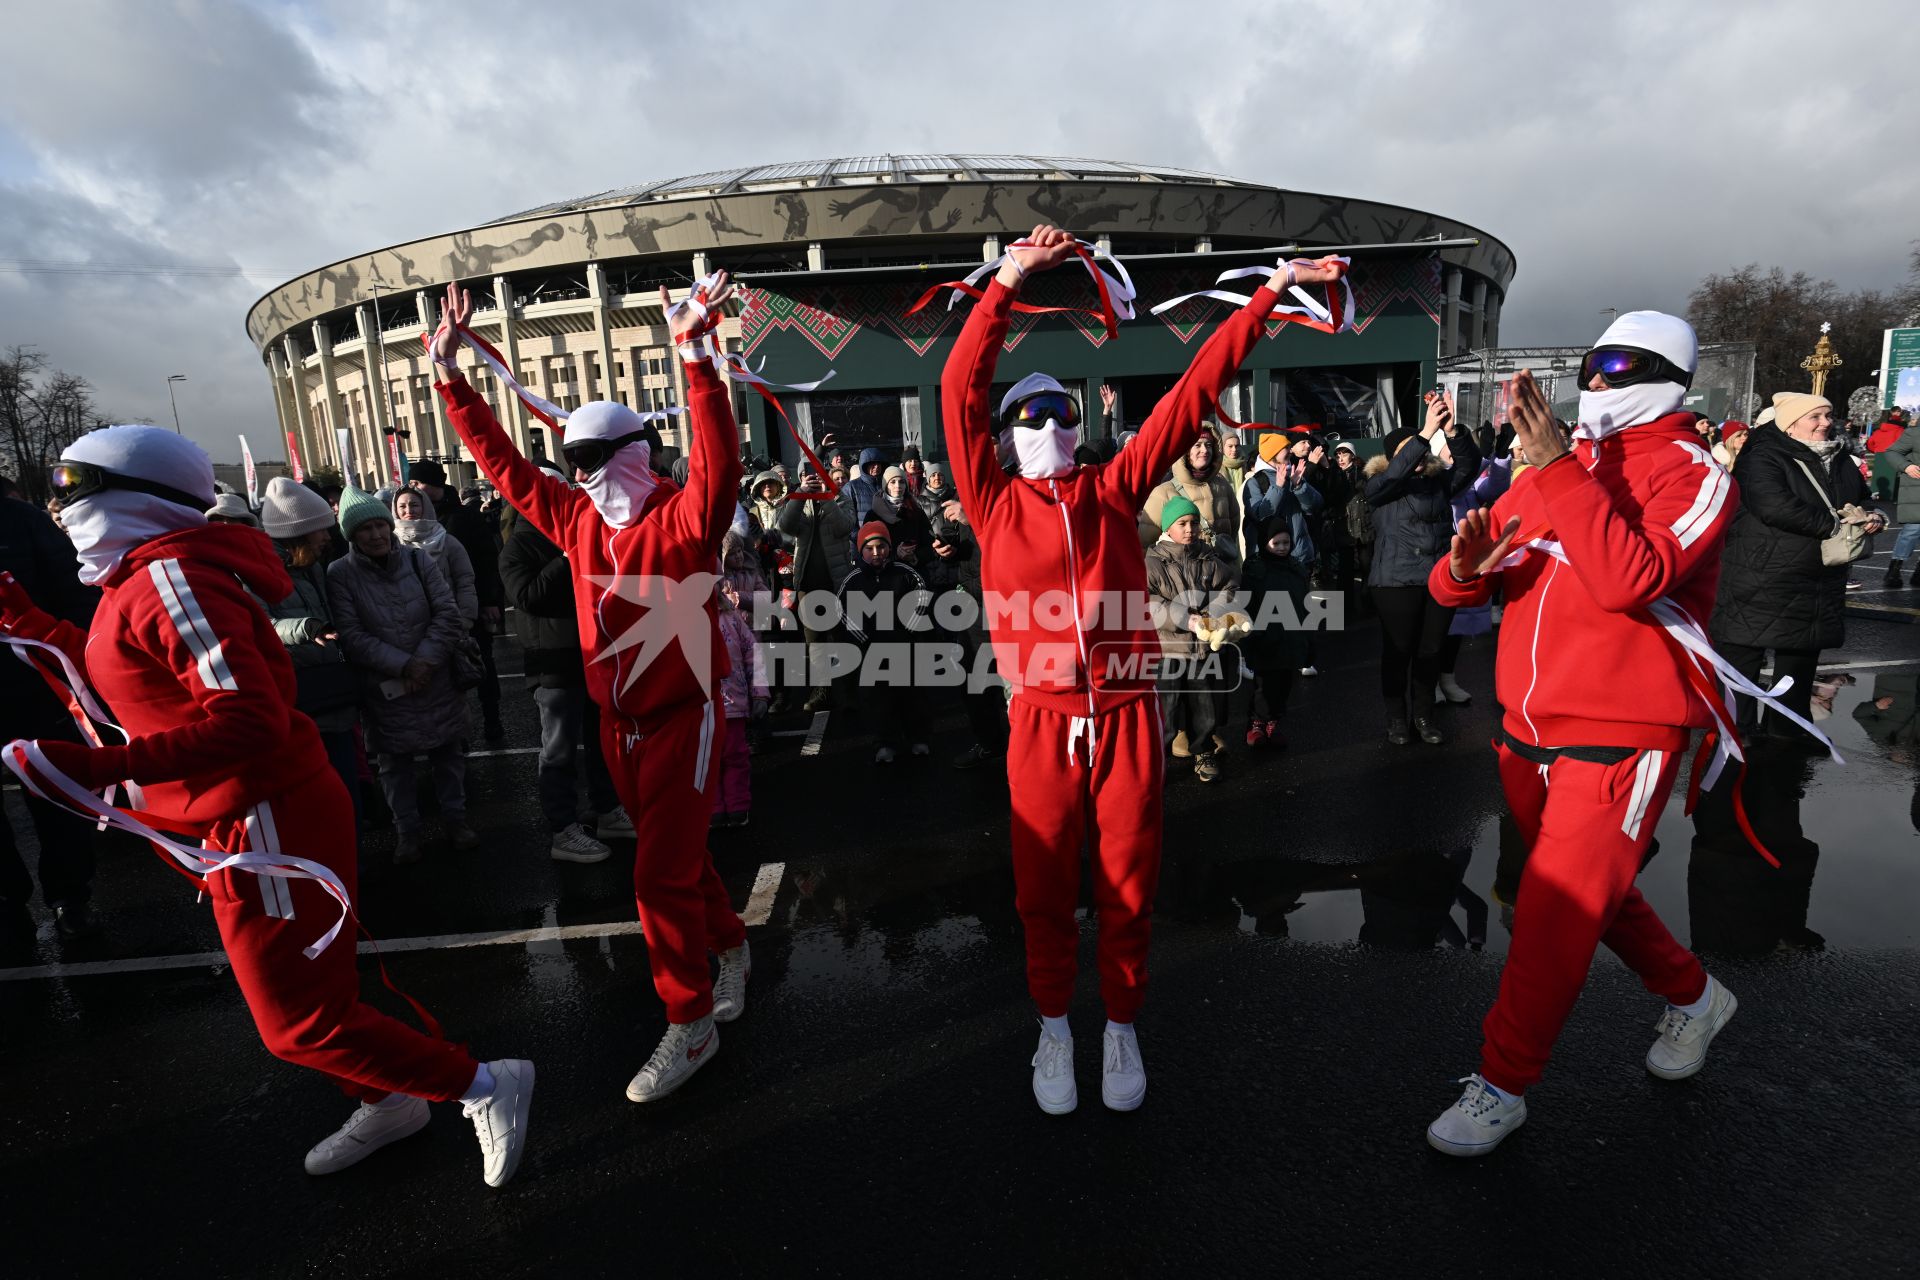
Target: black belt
x,y
1547,755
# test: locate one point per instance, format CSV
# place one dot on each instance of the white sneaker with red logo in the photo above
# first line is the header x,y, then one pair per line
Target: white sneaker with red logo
x,y
687,1047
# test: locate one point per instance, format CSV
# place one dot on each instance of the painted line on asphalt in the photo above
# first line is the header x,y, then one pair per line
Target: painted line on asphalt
x,y
1863,666
504,751
766,886
759,909
815,734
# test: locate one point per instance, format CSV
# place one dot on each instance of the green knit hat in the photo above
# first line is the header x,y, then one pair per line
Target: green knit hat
x,y
1176,507
357,506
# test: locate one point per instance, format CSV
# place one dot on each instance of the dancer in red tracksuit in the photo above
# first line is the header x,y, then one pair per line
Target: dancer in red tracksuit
x,y
1086,756
1598,708
645,558
182,651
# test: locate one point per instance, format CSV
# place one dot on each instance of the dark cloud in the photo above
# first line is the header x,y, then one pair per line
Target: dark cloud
x,y
1620,154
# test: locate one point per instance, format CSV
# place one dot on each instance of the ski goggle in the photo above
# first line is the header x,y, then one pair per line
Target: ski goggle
x,y
72,481
1040,408
591,455
1626,366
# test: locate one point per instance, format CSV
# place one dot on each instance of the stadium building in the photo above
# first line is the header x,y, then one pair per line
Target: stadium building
x,y
833,255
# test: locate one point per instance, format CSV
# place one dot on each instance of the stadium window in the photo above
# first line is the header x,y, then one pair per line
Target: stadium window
x,y
619,369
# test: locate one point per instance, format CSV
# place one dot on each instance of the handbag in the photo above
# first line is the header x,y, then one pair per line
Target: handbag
x,y
1849,540
326,686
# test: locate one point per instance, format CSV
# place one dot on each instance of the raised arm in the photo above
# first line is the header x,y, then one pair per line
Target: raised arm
x,y
538,496
705,510
1170,428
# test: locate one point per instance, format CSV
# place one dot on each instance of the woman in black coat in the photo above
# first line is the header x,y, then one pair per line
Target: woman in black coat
x,y
1774,592
1412,503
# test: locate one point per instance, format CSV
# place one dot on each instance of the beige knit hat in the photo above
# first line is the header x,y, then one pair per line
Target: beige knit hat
x,y
1791,406
291,510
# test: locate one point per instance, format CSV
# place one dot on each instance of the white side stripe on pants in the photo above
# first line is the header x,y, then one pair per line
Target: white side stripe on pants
x,y
704,755
1645,778
263,836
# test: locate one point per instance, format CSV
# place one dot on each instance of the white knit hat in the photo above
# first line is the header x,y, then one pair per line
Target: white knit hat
x,y
148,453
291,510
231,506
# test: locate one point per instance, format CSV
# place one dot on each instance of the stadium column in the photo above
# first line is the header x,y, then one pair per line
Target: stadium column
x,y
313,451
608,388
510,348
1493,320
1450,323
336,415
1479,326
430,321
373,357
293,418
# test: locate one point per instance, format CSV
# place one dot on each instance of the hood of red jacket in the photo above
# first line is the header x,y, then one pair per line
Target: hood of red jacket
x,y
246,553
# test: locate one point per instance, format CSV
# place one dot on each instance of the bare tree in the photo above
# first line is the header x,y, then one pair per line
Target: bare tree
x,y
42,411
1782,314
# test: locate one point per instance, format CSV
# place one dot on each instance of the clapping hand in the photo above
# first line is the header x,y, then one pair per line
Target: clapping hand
x,y
1534,428
1478,548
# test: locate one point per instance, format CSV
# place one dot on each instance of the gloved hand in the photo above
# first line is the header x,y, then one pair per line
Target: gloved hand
x,y
18,612
91,767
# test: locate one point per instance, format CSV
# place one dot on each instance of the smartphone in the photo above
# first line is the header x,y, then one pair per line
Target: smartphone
x,y
393,689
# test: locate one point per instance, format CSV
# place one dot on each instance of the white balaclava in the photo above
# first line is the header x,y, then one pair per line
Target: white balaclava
x,y
1038,453
107,525
620,489
1604,412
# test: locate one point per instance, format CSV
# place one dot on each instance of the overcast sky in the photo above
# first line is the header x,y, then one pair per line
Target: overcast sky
x,y
1622,150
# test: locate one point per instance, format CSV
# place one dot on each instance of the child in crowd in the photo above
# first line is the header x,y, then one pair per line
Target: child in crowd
x,y
1273,649
1189,583
884,603
743,693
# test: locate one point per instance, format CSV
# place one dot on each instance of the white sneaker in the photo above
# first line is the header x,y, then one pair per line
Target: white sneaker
x,y
687,1047
1681,1049
365,1132
614,824
1309,670
1477,1123
574,845
883,756
1053,1084
730,988
922,749
1123,1077
500,1119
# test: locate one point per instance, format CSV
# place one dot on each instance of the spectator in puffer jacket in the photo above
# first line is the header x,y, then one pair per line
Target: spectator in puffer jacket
x,y
767,491
906,523
398,623
863,486
817,530
884,604
477,537
539,587
1279,484
1412,500
1274,650
301,525
743,694
1189,582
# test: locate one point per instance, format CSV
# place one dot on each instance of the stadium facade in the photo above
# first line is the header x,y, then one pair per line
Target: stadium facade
x,y
833,255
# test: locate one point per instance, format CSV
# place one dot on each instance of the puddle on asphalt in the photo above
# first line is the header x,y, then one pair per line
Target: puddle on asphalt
x,y
1848,838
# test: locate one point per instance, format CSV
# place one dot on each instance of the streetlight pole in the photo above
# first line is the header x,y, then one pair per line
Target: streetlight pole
x,y
171,379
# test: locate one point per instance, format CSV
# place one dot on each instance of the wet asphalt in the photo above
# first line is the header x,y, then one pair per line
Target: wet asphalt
x,y
1327,936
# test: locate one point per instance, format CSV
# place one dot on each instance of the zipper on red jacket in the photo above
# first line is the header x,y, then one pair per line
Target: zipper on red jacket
x,y
1079,637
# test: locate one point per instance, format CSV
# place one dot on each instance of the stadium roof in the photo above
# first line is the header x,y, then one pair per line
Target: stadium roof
x,y
864,170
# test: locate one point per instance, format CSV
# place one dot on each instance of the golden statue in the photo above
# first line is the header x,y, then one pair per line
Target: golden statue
x,y
1822,361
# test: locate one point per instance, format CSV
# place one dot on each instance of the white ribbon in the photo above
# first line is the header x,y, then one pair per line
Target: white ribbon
x,y
1119,292
705,348
1309,305
91,712
19,754
538,402
1693,638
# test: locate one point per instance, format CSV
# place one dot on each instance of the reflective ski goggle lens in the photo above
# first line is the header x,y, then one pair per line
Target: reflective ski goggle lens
x,y
1037,410
1626,366
73,480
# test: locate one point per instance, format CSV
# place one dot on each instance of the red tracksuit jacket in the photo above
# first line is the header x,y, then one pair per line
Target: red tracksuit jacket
x,y
1076,537
1640,515
677,536
189,663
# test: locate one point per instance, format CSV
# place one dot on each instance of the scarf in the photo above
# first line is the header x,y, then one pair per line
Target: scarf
x,y
108,525
427,534
1604,412
1038,453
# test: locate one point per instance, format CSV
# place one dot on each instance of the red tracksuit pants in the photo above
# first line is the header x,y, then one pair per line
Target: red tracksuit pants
x,y
667,776
309,1012
1588,827
1111,806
